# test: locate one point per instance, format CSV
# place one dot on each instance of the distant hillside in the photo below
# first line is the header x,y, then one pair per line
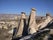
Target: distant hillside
x,y
12,16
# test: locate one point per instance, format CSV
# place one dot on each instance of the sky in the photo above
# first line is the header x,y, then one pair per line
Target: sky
x,y
17,6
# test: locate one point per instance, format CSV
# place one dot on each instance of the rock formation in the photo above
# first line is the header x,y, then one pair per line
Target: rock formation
x,y
32,22
45,23
21,25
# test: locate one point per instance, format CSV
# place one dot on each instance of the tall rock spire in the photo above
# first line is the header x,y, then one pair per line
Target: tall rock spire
x,y
21,25
32,22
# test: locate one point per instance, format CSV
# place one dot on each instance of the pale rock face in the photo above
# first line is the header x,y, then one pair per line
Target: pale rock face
x,y
0,27
5,28
20,30
23,15
10,32
44,24
21,25
32,23
51,31
46,37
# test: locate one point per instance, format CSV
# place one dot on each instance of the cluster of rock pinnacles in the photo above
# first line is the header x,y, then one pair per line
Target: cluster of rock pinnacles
x,y
31,26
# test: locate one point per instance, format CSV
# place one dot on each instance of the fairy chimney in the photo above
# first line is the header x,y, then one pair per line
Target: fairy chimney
x,y
21,25
46,21
32,22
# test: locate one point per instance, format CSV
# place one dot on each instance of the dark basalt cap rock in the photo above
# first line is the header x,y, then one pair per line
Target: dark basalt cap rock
x,y
23,15
33,9
42,17
22,12
47,14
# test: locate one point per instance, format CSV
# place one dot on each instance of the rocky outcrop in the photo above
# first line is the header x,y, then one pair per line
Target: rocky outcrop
x,y
46,21
21,25
32,22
